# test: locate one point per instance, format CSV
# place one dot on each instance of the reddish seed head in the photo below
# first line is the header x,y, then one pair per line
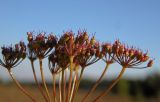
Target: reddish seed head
x,y
41,45
121,49
107,48
51,37
30,36
17,46
40,37
116,47
12,56
128,56
145,58
150,63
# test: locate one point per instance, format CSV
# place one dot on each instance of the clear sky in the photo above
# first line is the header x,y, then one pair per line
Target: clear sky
x,y
135,22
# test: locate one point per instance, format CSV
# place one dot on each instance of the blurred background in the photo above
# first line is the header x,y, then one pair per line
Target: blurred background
x,y
136,23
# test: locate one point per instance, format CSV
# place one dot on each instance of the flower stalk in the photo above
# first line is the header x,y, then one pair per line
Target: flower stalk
x,y
21,88
111,86
70,79
36,81
96,83
43,80
54,87
60,88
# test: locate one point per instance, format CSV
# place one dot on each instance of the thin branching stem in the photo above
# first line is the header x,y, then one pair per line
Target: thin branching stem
x,y
43,80
36,81
60,89
65,79
70,78
54,86
96,83
21,88
77,84
111,86
62,85
73,85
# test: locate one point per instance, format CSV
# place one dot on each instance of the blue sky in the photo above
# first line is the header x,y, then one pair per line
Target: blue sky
x,y
135,22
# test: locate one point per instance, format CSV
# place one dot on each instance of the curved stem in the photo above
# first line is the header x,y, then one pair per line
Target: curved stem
x,y
36,81
54,87
96,84
43,80
78,83
70,78
111,86
21,88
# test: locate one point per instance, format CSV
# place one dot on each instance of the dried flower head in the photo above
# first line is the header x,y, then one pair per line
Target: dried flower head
x,y
130,57
107,52
40,45
71,44
90,53
58,60
82,38
13,55
150,63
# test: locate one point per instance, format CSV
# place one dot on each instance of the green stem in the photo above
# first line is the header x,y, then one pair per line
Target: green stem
x,y
21,88
36,81
111,86
96,84
43,80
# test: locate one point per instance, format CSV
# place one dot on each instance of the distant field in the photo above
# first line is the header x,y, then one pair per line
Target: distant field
x,y
10,93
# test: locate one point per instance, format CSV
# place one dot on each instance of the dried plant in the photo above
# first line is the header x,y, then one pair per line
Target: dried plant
x,y
67,56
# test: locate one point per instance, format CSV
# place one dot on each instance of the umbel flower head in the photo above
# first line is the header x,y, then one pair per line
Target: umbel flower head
x,y
84,50
90,53
13,55
40,45
68,45
72,47
107,52
130,57
58,60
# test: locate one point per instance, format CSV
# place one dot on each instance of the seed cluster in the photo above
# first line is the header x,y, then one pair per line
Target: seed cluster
x,y
126,56
40,45
13,55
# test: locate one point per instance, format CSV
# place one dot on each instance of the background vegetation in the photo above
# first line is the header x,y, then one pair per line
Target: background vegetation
x,y
126,90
